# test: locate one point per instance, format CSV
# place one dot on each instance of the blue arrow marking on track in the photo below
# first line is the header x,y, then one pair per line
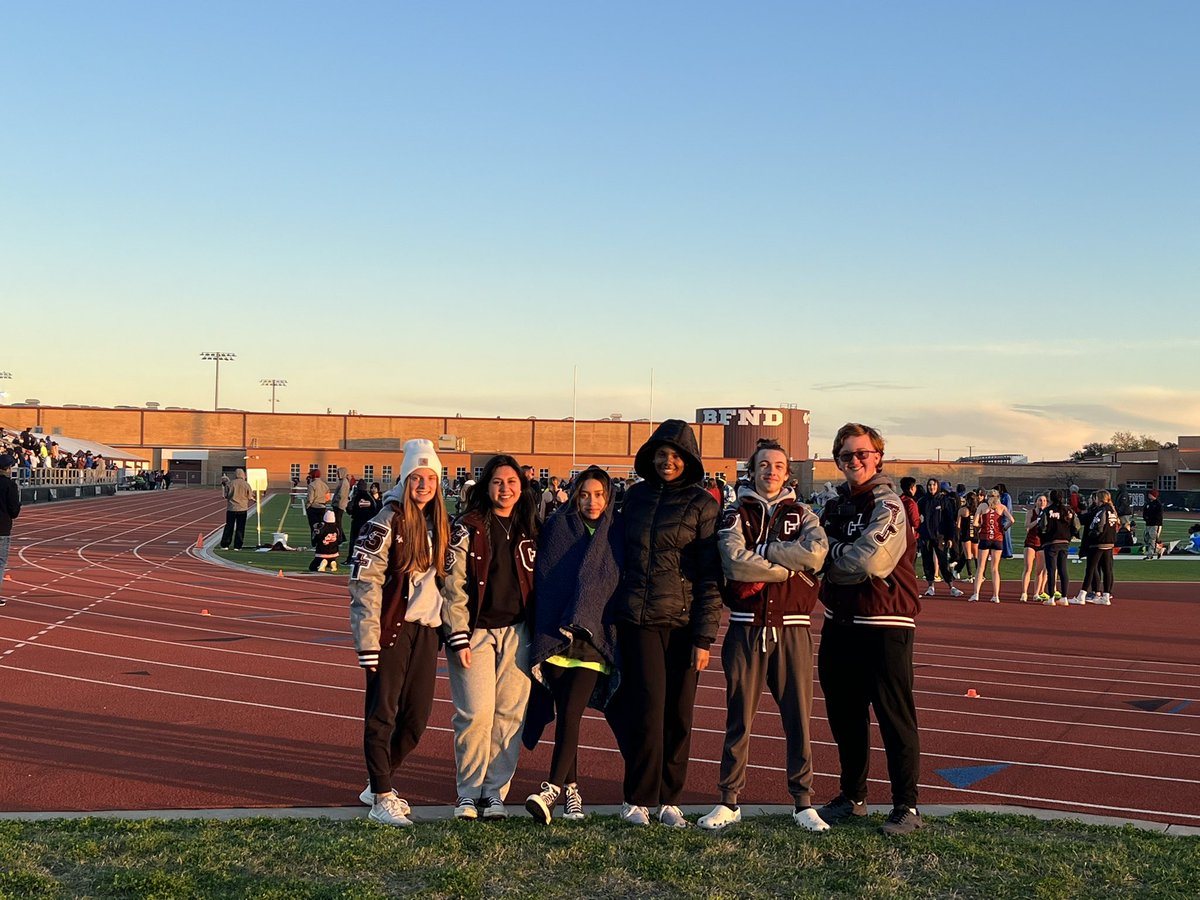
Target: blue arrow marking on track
x,y
1181,707
968,775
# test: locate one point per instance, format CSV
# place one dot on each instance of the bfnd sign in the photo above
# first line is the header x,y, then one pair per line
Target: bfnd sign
x,y
741,415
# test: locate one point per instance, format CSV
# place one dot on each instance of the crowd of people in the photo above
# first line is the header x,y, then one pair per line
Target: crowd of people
x,y
30,451
549,601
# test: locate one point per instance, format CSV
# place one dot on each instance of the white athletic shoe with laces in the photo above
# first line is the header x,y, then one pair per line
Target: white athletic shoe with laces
x,y
955,592
634,815
929,592
672,816
388,809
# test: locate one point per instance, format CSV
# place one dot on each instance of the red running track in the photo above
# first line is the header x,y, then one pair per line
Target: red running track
x,y
116,692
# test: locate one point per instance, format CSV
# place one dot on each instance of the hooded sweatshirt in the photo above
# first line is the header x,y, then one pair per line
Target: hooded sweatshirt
x,y
671,570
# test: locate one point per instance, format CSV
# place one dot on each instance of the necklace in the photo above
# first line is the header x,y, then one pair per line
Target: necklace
x,y
507,531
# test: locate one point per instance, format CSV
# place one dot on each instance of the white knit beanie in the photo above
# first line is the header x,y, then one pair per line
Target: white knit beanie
x,y
419,454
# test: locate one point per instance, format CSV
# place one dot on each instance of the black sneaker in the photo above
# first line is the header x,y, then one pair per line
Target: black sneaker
x,y
902,820
841,808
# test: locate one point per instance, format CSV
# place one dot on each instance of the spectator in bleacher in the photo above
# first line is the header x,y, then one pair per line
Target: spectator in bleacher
x,y
317,499
238,497
10,508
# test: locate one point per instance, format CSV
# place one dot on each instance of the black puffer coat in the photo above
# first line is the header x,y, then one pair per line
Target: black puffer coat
x,y
671,572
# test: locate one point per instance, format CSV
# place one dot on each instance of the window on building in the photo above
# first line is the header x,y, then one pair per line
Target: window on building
x,y
1139,485
387,474
543,474
331,469
1168,482
460,472
295,470
478,472
445,471
368,473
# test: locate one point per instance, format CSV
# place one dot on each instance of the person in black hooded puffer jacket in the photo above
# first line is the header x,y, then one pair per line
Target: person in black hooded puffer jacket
x,y
667,610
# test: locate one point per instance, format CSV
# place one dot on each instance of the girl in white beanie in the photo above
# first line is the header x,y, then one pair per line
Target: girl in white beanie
x,y
399,565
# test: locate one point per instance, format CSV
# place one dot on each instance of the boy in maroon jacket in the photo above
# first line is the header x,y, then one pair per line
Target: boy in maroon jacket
x,y
870,595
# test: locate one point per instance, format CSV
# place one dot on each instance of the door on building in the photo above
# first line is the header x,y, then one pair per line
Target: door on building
x,y
184,471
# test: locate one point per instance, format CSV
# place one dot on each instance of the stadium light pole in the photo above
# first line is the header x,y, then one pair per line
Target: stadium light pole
x,y
4,376
273,383
217,356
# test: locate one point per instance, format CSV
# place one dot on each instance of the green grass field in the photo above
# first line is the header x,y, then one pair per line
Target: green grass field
x,y
967,855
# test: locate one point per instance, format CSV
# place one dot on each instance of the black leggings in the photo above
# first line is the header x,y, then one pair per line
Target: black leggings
x,y
571,689
1056,563
1099,566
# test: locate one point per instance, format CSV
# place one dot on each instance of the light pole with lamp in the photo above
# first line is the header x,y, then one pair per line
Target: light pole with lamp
x,y
273,383
217,356
4,376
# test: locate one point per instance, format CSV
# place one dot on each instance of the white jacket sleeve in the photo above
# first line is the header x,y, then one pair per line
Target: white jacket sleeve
x,y
455,613
807,551
878,548
742,563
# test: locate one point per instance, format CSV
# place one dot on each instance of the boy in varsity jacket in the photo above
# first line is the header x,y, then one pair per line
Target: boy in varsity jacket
x,y
771,548
871,601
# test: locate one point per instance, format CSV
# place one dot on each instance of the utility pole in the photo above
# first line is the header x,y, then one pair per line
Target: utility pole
x,y
273,383
216,356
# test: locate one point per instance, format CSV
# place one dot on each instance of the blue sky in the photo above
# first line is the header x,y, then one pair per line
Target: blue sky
x,y
971,224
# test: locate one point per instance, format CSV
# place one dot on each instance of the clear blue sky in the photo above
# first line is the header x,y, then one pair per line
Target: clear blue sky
x,y
973,224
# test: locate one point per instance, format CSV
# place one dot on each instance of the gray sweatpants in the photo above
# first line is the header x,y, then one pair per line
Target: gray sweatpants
x,y
5,543
489,710
781,659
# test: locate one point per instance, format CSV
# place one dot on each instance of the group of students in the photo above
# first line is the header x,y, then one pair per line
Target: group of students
x,y
618,612
1051,524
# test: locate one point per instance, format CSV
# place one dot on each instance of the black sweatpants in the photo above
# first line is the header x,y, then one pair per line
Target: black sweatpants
x,y
929,549
571,689
658,688
398,703
235,529
863,667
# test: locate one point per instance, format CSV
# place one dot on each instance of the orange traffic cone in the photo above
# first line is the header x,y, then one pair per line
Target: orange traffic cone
x,y
280,575
200,541
7,577
204,612
972,693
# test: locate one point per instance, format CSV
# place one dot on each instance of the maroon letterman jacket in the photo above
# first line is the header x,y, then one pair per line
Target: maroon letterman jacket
x,y
869,577
770,555
466,584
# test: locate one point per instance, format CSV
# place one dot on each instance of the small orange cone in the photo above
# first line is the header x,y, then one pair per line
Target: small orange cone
x,y
200,541
7,577
972,693
280,575
204,612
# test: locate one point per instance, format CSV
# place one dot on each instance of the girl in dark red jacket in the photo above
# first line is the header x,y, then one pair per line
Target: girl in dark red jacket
x,y
771,548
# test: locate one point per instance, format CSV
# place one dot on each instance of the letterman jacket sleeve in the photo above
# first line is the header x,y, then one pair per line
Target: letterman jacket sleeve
x,y
806,552
367,573
742,563
878,547
455,614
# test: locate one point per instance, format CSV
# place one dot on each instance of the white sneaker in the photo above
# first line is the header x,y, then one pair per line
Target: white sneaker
x,y
1049,601
974,598
389,809
1079,599
466,809
955,592
634,815
721,817
809,819
369,799
1102,600
672,817
929,592
1024,598
995,599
